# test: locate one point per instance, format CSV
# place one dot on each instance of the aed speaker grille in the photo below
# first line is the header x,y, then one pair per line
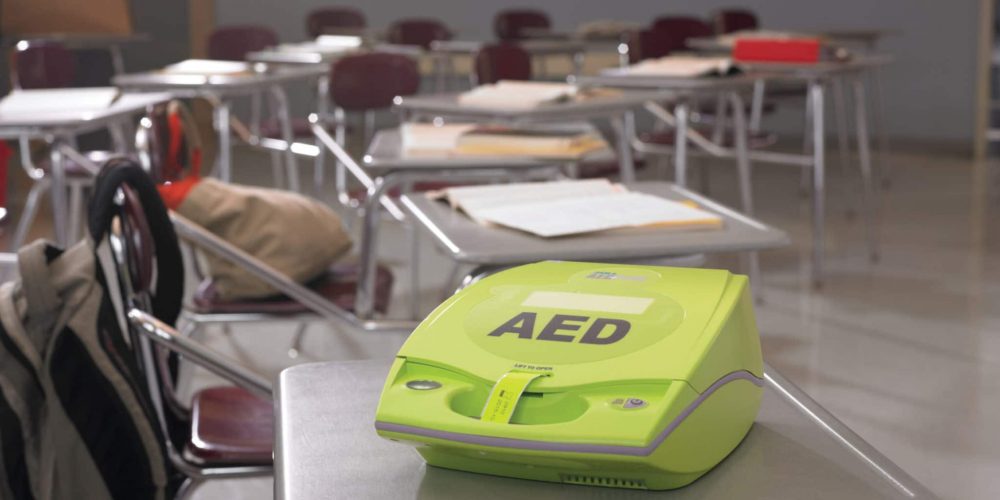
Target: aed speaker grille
x,y
610,482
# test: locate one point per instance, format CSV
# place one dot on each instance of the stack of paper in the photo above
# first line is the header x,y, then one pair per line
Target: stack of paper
x,y
551,209
339,41
466,139
682,67
510,94
49,101
207,67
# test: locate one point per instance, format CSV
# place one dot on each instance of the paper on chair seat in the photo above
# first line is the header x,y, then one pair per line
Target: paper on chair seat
x,y
681,66
510,94
567,216
207,67
49,101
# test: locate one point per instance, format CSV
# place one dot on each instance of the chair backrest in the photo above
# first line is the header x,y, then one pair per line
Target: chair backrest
x,y
42,65
416,31
329,19
511,24
730,20
648,44
678,29
168,144
503,61
370,81
232,43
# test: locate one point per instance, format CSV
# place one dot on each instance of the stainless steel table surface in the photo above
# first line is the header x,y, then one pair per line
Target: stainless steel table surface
x,y
326,447
447,105
190,85
619,77
77,122
385,152
466,241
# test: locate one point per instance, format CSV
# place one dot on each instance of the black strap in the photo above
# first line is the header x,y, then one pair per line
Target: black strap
x,y
102,210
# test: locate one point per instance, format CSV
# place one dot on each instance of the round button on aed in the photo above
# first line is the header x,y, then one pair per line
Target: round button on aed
x,y
423,385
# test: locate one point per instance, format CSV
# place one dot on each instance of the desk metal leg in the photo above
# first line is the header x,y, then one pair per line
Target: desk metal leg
x,y
818,178
221,112
364,303
840,116
868,204
625,157
757,105
322,107
285,120
746,182
807,145
57,191
680,143
881,131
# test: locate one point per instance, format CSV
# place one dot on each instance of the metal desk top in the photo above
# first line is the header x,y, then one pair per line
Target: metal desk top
x,y
538,47
326,446
815,70
466,241
618,77
447,105
38,124
385,153
221,83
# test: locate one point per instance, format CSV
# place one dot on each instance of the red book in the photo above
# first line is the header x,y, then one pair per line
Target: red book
x,y
800,50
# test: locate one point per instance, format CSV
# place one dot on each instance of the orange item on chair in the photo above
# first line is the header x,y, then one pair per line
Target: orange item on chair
x,y
800,50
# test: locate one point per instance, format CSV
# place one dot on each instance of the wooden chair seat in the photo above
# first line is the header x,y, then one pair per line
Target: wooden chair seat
x,y
231,426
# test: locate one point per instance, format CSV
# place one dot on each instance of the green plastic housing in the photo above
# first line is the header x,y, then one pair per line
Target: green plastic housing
x,y
648,376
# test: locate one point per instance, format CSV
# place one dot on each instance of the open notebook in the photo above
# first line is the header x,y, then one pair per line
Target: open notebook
x,y
464,139
562,208
50,101
681,67
522,95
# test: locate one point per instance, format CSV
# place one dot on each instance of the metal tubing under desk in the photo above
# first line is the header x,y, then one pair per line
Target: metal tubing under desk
x,y
815,97
57,191
224,154
365,302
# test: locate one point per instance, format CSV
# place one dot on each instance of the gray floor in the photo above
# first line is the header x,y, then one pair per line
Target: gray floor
x,y
906,351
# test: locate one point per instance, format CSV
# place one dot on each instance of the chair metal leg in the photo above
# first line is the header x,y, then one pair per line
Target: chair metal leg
x,y
868,204
818,176
276,171
187,489
843,142
185,370
76,210
414,269
680,144
27,216
300,333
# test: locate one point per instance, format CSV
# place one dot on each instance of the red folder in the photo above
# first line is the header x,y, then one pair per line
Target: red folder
x,y
800,50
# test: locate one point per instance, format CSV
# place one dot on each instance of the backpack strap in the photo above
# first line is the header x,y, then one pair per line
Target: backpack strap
x,y
166,300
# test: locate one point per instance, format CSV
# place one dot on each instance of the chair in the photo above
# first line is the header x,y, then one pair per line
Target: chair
x,y
679,29
646,44
232,43
333,20
417,31
366,83
502,61
42,66
517,24
225,432
168,159
730,20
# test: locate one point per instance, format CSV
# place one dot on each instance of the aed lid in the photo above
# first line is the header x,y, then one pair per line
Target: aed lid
x,y
582,323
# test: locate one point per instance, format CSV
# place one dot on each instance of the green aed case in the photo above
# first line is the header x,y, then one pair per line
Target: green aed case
x,y
598,374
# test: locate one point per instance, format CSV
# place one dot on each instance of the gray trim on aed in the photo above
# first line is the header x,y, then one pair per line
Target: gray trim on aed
x,y
527,444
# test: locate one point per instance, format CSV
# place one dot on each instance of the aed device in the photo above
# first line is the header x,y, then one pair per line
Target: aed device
x,y
599,374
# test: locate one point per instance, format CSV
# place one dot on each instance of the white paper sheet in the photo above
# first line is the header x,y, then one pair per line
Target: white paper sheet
x,y
428,137
510,94
473,200
341,41
681,66
207,67
578,215
50,101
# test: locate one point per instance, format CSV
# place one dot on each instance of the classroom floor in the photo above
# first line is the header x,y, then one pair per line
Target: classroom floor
x,y
906,351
